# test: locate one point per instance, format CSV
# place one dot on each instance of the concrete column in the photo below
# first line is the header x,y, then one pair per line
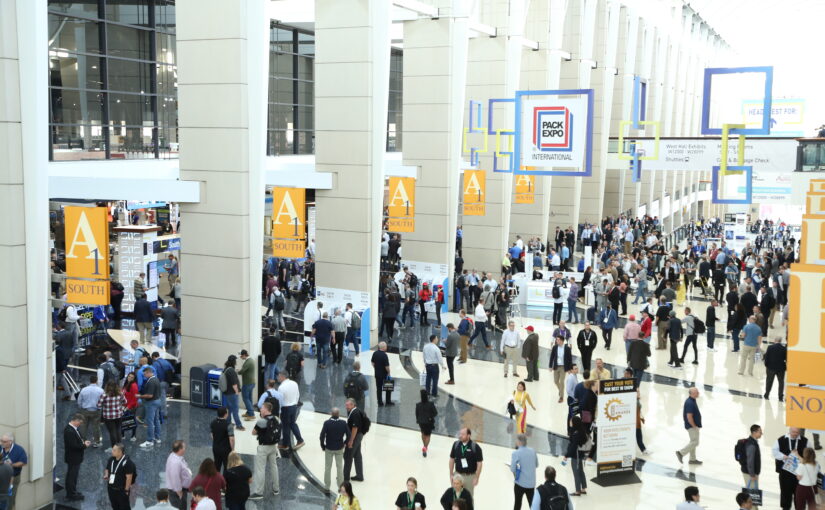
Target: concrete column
x,y
435,73
352,60
222,50
493,71
26,367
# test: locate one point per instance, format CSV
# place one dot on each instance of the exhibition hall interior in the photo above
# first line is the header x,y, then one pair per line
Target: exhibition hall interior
x,y
374,254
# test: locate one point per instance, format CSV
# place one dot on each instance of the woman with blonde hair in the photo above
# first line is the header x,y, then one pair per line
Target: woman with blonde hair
x,y
806,473
238,477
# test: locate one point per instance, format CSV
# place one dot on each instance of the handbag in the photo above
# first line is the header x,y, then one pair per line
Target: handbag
x,y
389,384
422,379
754,493
587,417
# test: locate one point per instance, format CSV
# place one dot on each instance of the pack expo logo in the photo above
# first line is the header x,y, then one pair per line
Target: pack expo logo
x,y
552,128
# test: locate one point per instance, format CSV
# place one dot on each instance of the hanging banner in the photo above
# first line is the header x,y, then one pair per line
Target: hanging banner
x,y
525,188
288,222
87,242
616,419
87,292
401,204
475,192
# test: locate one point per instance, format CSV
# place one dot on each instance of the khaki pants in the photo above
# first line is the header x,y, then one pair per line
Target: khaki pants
x,y
693,434
661,331
746,357
754,484
511,356
468,481
338,455
558,378
462,357
145,330
91,423
267,454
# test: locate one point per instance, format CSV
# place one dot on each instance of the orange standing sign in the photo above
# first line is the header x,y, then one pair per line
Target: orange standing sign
x,y
401,204
525,188
288,222
474,193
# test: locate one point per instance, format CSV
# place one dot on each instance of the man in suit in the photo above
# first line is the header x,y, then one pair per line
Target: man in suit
x,y
776,357
561,361
73,447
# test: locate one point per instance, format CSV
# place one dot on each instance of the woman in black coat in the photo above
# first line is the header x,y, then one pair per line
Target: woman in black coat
x,y
425,413
576,454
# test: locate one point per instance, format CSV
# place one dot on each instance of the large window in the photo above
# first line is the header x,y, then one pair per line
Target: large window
x,y
113,79
291,122
394,106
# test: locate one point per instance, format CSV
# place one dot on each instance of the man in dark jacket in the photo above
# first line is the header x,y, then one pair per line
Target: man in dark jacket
x,y
751,465
748,300
271,348
776,357
710,323
334,436
674,332
530,353
73,448
144,318
451,350
637,356
561,362
586,342
662,321
766,306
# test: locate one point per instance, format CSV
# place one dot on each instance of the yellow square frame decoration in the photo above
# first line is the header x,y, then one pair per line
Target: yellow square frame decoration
x,y
740,156
627,156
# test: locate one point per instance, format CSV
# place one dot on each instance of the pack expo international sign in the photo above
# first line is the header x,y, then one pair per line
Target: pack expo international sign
x,y
553,132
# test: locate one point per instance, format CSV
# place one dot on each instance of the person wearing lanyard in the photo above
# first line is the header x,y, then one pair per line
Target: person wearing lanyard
x,y
792,443
119,475
15,455
466,460
410,499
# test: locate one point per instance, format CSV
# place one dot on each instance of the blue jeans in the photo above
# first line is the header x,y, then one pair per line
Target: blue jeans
x,y
711,336
572,311
481,327
352,340
735,334
431,384
246,392
408,309
637,376
152,419
288,425
641,293
323,351
230,401
270,371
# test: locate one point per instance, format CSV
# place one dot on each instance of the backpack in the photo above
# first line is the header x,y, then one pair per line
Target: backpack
x,y
110,372
62,314
739,452
278,302
698,326
293,363
305,288
276,405
591,314
461,283
272,433
351,389
366,423
413,281
556,292
355,321
223,382
140,352
557,501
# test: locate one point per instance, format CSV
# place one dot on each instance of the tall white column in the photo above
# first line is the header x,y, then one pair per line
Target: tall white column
x,y
26,367
222,51
352,63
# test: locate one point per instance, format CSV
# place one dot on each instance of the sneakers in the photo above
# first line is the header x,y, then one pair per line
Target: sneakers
x,y
247,417
423,451
276,492
695,362
695,462
134,439
647,452
256,497
157,441
146,444
679,456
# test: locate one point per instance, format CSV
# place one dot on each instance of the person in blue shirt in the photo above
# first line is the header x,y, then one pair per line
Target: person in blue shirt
x,y
608,320
523,465
752,340
565,256
164,372
693,422
13,454
515,252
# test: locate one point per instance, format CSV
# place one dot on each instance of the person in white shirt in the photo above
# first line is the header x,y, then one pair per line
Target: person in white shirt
x,y
806,473
691,501
480,318
289,412
570,382
202,500
510,345
432,361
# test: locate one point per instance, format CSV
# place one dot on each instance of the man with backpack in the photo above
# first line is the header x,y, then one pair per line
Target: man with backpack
x,y
551,495
358,424
268,431
353,321
692,324
750,458
277,302
356,384
165,372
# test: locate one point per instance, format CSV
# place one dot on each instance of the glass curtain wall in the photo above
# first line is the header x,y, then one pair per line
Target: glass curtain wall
x,y
113,79
394,106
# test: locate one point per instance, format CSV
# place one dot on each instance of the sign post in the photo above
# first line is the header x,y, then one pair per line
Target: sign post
x,y
616,427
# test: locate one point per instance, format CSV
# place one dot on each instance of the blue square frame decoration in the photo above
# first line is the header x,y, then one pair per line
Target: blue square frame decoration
x,y
490,103
714,186
588,149
766,100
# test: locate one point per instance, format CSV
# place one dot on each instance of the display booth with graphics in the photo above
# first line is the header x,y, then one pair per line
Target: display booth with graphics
x,y
615,423
334,299
434,275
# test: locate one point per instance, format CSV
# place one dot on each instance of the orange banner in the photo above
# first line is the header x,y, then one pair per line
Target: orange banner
x,y
525,188
289,213
87,292
401,204
284,248
87,242
475,192
804,408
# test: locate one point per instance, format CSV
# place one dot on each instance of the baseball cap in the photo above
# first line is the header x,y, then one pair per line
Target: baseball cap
x,y
530,328
632,317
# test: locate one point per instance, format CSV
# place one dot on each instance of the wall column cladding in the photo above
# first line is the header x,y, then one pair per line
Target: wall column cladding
x,y
493,71
352,62
26,367
222,48
435,73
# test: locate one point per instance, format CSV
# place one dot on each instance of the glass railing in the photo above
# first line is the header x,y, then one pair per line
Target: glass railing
x,y
810,156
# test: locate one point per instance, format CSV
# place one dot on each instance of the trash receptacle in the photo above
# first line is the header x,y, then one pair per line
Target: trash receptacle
x,y
199,385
